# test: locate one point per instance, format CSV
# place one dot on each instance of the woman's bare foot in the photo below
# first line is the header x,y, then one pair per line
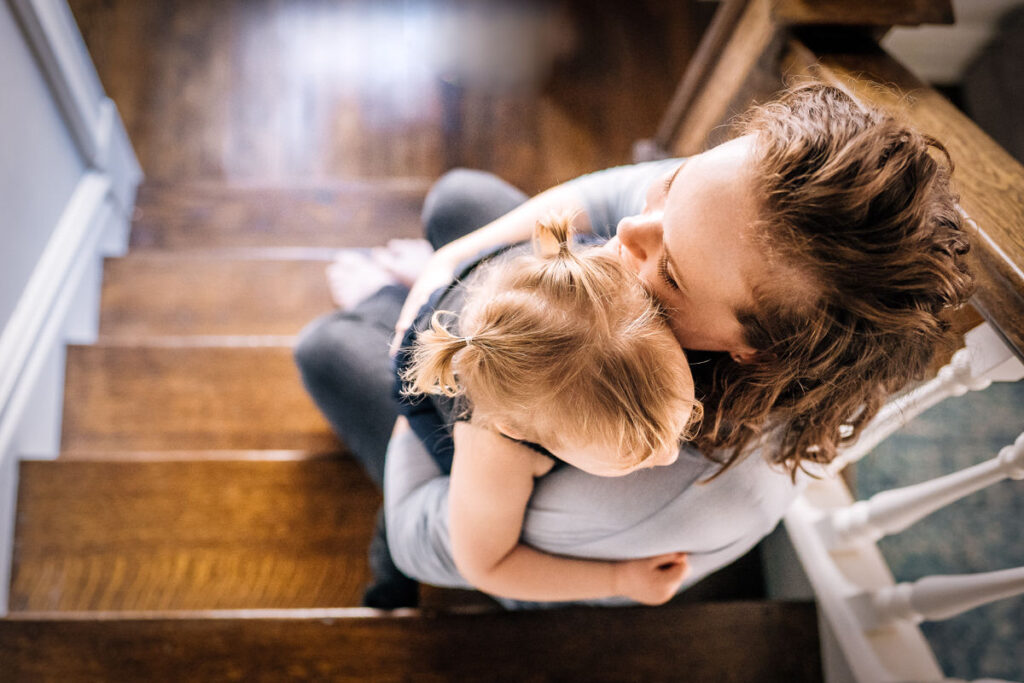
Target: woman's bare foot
x,y
404,259
354,276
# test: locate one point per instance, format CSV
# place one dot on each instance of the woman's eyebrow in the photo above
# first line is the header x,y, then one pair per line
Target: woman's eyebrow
x,y
671,180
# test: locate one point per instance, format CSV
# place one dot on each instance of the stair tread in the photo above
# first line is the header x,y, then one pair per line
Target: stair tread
x,y
337,214
132,398
736,641
175,294
191,535
223,455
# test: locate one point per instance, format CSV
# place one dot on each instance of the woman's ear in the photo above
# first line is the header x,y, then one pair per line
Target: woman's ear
x,y
746,354
743,356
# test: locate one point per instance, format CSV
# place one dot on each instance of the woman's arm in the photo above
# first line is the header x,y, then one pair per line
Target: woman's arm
x,y
491,483
515,226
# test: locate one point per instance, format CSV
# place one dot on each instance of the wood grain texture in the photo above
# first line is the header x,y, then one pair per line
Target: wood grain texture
x,y
265,455
191,535
863,12
699,69
746,46
990,181
258,89
537,92
190,216
199,294
723,642
182,398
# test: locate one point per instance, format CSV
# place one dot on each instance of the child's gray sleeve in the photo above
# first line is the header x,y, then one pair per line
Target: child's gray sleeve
x,y
416,514
572,513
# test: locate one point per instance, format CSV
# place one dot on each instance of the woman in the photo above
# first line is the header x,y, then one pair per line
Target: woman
x,y
807,267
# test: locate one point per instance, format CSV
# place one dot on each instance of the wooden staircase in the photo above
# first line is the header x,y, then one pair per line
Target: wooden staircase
x,y
202,522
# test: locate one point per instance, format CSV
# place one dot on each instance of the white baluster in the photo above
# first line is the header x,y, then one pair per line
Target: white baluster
x,y
890,512
984,359
934,597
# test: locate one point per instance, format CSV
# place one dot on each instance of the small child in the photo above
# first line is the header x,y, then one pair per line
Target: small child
x,y
563,351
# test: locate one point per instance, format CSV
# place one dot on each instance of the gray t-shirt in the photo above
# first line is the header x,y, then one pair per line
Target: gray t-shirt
x,y
609,196
572,513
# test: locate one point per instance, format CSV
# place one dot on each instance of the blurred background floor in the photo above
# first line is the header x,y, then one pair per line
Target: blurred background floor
x,y
273,91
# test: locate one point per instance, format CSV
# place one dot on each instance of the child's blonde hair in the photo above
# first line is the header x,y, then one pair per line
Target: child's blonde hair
x,y
562,347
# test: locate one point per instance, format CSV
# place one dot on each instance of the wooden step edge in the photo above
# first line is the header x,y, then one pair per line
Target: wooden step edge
x,y
344,613
271,253
193,456
747,642
197,341
321,614
298,184
212,614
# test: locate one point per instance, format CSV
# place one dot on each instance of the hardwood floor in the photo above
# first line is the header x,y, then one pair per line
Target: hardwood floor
x,y
711,642
206,216
174,294
189,395
264,90
129,536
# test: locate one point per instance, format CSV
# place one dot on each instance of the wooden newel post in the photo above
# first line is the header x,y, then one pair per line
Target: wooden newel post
x,y
738,59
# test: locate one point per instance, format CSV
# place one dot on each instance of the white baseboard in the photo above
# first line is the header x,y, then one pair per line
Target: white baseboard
x,y
8,509
59,304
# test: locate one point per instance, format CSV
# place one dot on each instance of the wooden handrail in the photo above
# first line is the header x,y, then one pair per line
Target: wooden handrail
x,y
862,12
739,52
729,75
701,66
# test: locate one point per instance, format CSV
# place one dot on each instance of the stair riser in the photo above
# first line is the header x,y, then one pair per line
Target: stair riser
x,y
218,216
201,535
736,642
137,398
168,296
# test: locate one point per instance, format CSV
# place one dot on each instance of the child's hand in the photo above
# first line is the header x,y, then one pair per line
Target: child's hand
x,y
651,580
437,272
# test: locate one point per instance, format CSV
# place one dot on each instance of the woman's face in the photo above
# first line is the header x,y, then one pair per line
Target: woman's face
x,y
694,248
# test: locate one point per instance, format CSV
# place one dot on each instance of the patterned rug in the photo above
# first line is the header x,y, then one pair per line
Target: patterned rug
x,y
980,533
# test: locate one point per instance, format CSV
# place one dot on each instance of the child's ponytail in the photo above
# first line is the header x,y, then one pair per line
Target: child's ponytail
x,y
432,369
552,236
563,275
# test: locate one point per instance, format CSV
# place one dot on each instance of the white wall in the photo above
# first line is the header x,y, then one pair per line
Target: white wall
x,y
940,54
67,189
39,164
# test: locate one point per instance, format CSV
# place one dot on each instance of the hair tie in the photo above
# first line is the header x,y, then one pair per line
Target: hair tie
x,y
548,244
467,340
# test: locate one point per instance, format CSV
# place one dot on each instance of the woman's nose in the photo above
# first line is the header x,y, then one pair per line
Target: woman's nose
x,y
641,235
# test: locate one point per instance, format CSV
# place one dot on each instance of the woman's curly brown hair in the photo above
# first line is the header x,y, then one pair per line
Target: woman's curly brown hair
x,y
860,203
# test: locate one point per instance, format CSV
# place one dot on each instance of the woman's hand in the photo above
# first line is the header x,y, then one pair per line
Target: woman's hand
x,y
651,580
438,272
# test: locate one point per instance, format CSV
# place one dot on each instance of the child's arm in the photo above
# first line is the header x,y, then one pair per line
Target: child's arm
x,y
491,482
